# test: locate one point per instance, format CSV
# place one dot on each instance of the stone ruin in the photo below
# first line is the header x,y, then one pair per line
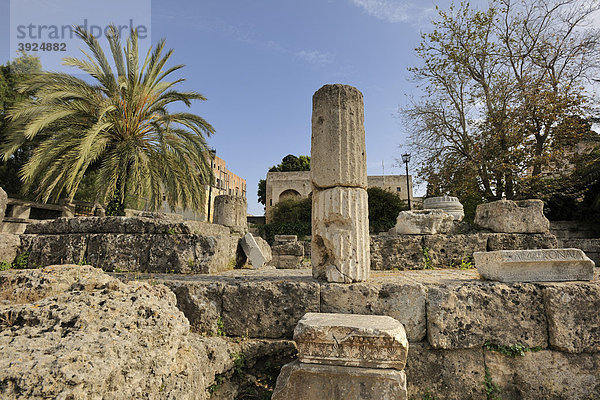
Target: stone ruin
x,y
340,220
288,253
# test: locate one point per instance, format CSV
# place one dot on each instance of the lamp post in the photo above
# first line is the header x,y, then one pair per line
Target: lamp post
x,y
213,154
406,160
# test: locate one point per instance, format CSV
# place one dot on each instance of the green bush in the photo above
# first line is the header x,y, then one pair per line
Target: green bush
x,y
384,208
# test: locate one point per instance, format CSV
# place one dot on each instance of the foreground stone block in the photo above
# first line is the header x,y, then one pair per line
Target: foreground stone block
x,y
545,375
47,250
400,299
547,265
319,382
573,317
368,341
449,204
422,222
507,216
466,315
445,374
338,151
340,240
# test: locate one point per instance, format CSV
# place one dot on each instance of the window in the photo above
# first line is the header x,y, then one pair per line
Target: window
x,y
398,189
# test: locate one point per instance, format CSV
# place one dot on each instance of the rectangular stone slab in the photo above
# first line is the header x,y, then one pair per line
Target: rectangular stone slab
x,y
300,381
544,265
369,341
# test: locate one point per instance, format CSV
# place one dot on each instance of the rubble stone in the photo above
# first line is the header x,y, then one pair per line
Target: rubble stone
x,y
9,246
256,250
520,241
422,222
545,265
507,216
396,252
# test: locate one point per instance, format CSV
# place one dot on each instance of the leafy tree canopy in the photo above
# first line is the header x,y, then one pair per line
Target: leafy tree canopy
x,y
384,208
502,102
119,126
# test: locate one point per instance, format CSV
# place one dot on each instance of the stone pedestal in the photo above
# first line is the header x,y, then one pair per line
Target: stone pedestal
x,y
547,265
340,220
449,204
346,356
287,252
230,211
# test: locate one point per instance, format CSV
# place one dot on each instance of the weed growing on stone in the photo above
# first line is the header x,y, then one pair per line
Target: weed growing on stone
x,y
427,395
83,261
492,391
22,261
171,231
5,265
231,263
512,350
426,259
239,362
220,327
465,264
217,384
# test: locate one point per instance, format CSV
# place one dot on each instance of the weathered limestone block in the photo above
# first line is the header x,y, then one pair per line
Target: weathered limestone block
x,y
200,302
47,250
573,318
319,382
187,254
396,252
338,151
119,251
286,238
466,315
507,216
520,241
546,265
131,225
449,204
288,249
422,222
9,246
400,299
231,211
591,247
445,374
255,250
267,308
545,374
340,241
367,341
447,251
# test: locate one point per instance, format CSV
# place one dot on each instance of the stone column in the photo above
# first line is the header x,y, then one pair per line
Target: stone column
x,y
340,220
231,211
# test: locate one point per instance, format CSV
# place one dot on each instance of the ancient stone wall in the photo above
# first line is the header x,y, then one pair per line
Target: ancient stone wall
x,y
130,244
528,340
403,252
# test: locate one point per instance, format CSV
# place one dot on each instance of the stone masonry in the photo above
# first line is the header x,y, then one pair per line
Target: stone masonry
x,y
343,356
340,239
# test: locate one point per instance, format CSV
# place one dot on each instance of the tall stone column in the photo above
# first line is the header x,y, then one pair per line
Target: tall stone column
x,y
340,213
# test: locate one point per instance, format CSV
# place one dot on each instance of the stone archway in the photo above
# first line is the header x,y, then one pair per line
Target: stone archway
x,y
289,194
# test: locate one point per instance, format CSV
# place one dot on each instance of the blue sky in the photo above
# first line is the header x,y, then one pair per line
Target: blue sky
x,y
259,63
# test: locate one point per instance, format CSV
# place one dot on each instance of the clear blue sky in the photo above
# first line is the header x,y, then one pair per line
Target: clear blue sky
x,y
259,63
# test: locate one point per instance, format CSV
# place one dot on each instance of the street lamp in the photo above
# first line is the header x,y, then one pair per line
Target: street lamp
x,y
213,154
406,160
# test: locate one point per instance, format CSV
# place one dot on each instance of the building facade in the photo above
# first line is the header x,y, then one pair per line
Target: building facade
x,y
297,185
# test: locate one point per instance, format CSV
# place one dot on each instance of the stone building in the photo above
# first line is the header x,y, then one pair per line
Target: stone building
x,y
226,182
296,185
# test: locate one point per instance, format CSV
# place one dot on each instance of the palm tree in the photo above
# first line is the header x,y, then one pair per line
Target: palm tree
x,y
117,127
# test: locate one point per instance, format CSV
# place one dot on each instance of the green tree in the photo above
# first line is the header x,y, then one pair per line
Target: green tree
x,y
287,164
11,75
384,208
502,94
118,126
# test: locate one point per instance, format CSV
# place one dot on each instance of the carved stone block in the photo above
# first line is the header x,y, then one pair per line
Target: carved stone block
x,y
369,341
